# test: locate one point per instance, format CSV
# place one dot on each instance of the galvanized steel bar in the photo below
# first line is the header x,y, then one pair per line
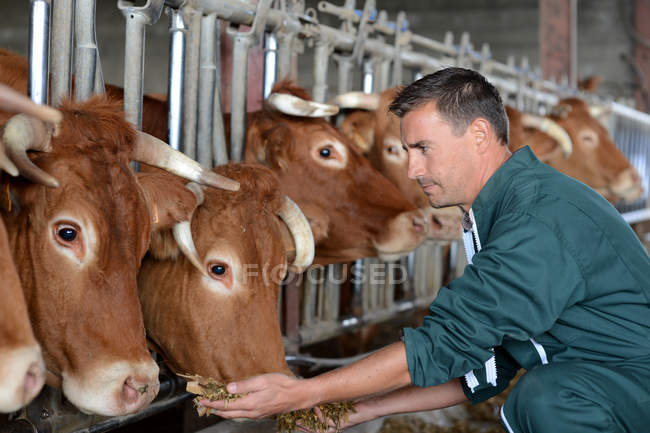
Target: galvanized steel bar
x,y
242,41
344,73
207,84
190,80
61,49
322,52
368,76
177,31
270,62
137,17
219,145
85,52
39,38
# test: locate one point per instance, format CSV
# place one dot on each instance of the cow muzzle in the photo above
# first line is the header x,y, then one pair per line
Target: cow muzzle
x,y
22,375
115,389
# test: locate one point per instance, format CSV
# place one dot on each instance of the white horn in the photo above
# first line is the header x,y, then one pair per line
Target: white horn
x,y
294,106
182,232
152,151
20,134
551,128
364,101
16,102
300,230
598,111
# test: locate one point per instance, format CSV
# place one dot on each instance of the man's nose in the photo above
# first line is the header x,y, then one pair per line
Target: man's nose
x,y
415,167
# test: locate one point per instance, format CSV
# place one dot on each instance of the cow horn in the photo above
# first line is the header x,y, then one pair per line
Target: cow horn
x,y
155,152
22,133
599,110
551,128
16,102
294,106
300,230
182,232
361,100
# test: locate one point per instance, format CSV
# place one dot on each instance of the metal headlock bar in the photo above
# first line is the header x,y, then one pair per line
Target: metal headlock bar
x,y
378,291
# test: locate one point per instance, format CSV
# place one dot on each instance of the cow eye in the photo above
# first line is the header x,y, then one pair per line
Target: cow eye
x,y
66,233
325,152
218,270
393,150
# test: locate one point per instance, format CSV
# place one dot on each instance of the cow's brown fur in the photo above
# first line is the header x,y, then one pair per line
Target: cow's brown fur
x,y
224,335
359,201
595,160
89,316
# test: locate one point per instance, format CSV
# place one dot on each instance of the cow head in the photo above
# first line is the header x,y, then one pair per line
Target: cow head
x,y
78,248
219,318
325,174
376,131
595,160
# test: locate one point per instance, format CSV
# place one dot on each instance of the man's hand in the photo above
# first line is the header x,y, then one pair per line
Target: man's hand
x,y
265,395
362,413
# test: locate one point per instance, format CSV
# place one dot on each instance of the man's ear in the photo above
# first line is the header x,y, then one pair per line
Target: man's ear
x,y
481,131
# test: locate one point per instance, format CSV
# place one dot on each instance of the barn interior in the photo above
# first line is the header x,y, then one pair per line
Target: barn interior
x,y
212,57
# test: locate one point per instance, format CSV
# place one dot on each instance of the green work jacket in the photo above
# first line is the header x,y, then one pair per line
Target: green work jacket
x,y
560,276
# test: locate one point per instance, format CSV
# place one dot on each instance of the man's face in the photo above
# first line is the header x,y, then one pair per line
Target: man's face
x,y
439,160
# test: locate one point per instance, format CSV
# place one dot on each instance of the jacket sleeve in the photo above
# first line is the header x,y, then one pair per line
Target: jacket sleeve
x,y
517,286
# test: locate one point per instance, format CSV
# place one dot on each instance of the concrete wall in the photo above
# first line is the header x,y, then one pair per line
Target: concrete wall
x,y
509,26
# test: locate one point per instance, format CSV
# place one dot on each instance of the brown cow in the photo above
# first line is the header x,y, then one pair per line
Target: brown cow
x,y
22,371
223,320
595,159
78,249
354,211
570,140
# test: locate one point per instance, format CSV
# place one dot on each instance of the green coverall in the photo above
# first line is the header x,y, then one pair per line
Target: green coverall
x,y
560,287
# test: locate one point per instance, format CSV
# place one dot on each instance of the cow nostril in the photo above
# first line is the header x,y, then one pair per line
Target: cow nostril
x,y
435,223
419,225
130,391
33,382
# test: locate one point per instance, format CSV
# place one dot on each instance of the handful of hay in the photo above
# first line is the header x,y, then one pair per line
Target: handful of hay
x,y
210,389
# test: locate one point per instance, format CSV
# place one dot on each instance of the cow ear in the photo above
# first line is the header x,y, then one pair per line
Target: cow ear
x,y
359,127
169,202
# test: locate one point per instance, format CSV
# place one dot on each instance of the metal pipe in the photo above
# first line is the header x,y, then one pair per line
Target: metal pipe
x,y
85,54
345,73
177,32
286,36
207,81
61,49
368,76
190,84
134,68
270,62
242,41
322,53
219,146
239,86
39,33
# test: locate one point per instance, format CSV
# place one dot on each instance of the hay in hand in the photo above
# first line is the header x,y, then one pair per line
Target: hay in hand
x,y
206,388
210,389
337,413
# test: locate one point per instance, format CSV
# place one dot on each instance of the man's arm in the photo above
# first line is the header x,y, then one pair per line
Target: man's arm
x,y
380,372
408,399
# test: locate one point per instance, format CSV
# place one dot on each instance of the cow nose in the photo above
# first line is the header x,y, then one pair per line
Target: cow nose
x,y
33,381
420,225
133,390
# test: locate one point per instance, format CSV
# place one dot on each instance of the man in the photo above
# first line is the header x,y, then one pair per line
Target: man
x,y
558,284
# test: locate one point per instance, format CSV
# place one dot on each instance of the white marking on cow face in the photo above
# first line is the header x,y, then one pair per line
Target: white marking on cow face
x,y
74,239
22,374
393,153
330,153
224,271
588,139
